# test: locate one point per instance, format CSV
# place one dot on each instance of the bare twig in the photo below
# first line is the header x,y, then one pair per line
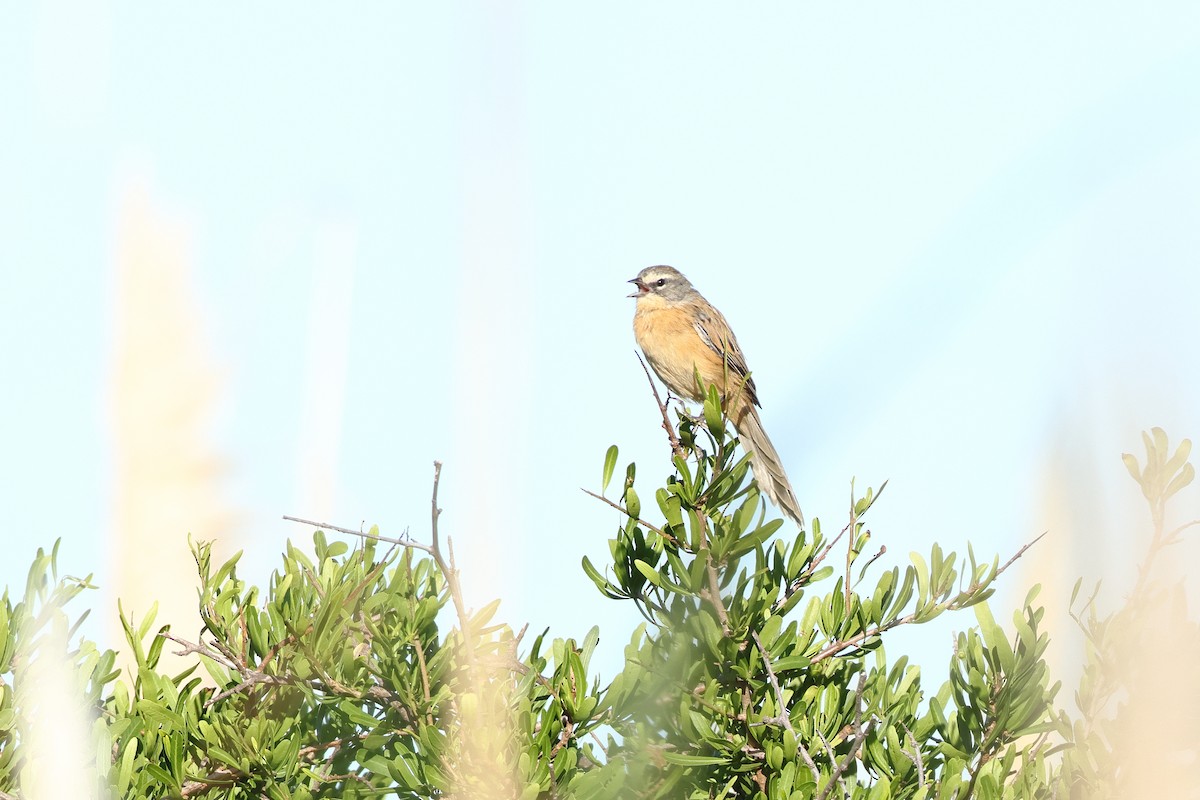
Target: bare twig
x,y
784,717
1018,554
319,750
915,758
425,688
325,526
808,759
436,512
201,649
832,760
220,777
853,528
816,562
802,579
451,572
713,590
253,678
874,558
840,645
676,447
860,737
639,520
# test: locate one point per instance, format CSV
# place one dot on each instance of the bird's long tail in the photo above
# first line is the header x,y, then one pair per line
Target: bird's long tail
x,y
768,469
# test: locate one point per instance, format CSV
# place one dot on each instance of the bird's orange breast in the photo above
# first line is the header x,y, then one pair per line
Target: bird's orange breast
x,y
674,349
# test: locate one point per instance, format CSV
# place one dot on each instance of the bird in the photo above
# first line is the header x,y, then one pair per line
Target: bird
x,y
683,335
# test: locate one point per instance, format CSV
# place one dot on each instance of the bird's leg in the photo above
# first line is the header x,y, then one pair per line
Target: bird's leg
x,y
695,419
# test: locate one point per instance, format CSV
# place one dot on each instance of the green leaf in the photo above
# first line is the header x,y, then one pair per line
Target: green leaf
x,y
650,573
821,574
684,760
922,575
1181,455
633,505
128,757
791,662
713,417
755,538
1131,464
161,776
1160,442
610,464
1185,476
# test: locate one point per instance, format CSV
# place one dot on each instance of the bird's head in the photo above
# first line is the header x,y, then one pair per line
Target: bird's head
x,y
663,282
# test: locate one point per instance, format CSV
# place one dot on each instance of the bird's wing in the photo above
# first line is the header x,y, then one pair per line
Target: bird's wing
x,y
715,332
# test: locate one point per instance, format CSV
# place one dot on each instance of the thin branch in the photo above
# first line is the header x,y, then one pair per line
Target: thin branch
x,y
436,512
862,573
250,677
713,590
832,760
425,688
860,737
516,642
915,758
803,579
451,572
638,520
853,528
672,437
325,526
244,656
253,679
840,645
599,742
201,649
1018,554
218,778
784,717
812,567
808,759
318,750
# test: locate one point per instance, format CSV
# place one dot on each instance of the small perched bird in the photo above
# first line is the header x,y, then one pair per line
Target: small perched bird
x,y
682,335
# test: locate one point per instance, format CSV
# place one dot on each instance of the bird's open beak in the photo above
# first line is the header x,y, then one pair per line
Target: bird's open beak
x,y
641,288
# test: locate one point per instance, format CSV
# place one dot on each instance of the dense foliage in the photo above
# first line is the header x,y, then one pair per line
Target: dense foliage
x,y
759,670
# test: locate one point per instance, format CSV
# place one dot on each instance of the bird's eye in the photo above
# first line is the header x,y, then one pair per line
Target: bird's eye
x,y
661,282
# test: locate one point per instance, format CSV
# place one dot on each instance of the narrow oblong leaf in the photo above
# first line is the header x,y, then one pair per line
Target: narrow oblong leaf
x,y
633,504
1185,476
610,464
1131,464
685,760
650,573
1160,441
1181,455
712,413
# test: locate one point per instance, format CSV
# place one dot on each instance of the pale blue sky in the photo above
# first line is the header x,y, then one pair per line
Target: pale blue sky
x,y
958,244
